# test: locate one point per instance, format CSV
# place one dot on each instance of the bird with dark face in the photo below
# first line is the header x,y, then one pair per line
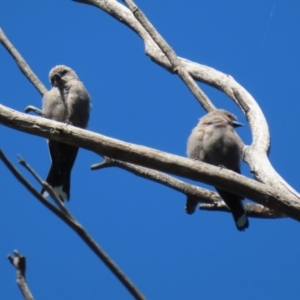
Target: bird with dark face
x,y
214,141
69,102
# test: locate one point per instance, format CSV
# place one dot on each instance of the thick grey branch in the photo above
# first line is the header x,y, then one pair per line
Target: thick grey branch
x,y
227,180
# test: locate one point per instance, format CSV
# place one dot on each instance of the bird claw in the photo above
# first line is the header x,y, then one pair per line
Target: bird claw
x,y
222,167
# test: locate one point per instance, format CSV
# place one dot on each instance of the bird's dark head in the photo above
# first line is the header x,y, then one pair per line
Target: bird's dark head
x,y
60,75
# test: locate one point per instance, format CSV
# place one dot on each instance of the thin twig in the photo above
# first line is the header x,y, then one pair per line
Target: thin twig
x,y
77,227
253,210
103,164
25,69
212,200
19,262
171,55
44,184
203,195
30,108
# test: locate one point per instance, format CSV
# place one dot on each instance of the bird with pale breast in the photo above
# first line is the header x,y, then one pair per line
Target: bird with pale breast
x,y
214,141
69,102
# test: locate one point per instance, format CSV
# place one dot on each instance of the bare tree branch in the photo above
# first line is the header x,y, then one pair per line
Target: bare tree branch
x,y
77,227
30,108
19,262
253,210
230,181
255,155
44,184
25,69
171,55
164,179
213,201
199,194
237,93
279,197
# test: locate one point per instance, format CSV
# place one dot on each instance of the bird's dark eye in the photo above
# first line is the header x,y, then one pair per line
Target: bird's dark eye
x,y
63,72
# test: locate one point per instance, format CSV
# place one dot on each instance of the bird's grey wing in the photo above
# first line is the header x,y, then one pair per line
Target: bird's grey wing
x,y
231,155
53,106
195,145
78,103
194,151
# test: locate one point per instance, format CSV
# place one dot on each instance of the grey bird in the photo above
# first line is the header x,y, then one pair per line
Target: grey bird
x,y
214,141
69,102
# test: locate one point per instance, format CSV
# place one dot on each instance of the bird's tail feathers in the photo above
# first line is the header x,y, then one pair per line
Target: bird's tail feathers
x,y
191,204
60,193
235,204
59,181
242,222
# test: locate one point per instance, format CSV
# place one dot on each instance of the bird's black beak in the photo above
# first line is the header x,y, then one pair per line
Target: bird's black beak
x,y
236,124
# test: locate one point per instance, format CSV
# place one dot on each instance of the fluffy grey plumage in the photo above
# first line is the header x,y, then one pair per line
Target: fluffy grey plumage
x,y
68,101
214,141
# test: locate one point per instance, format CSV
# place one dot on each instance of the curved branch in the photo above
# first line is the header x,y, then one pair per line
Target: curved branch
x,y
263,194
172,57
255,155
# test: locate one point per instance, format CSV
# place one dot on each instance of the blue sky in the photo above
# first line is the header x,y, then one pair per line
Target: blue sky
x,y
140,224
